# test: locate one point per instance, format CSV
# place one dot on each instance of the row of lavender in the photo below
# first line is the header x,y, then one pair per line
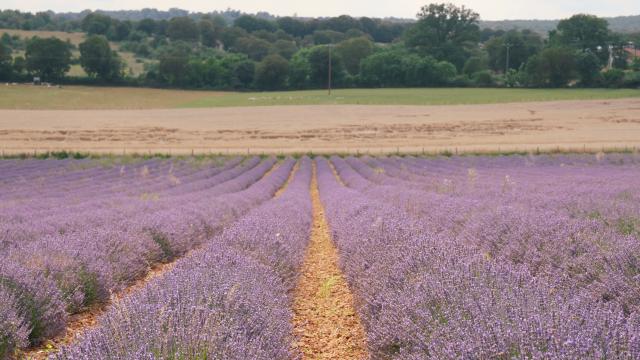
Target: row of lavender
x,y
31,201
65,249
228,300
513,257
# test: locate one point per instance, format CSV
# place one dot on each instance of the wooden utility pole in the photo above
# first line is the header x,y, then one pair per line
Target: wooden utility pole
x,y
330,70
508,46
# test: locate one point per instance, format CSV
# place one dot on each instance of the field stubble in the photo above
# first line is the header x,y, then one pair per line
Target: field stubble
x,y
569,125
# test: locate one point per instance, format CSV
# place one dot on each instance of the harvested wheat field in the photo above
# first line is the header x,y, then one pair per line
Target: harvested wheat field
x,y
590,124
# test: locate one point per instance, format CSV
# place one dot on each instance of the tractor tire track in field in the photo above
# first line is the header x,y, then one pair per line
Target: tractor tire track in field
x,y
79,323
325,322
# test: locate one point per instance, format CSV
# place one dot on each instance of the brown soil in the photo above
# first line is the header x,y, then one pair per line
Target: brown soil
x,y
87,319
588,124
289,179
326,324
335,173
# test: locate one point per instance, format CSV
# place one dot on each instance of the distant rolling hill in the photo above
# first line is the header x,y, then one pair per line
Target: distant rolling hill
x,y
622,24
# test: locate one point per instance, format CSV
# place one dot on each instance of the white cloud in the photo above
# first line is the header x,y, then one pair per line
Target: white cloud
x,y
501,9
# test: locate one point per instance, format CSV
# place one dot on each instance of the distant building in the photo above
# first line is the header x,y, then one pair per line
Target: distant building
x,y
633,51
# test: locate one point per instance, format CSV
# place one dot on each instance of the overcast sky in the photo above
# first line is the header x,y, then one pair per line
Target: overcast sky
x,y
488,9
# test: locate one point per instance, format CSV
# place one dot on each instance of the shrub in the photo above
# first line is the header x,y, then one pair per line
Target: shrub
x,y
38,300
613,78
632,79
13,328
475,64
483,78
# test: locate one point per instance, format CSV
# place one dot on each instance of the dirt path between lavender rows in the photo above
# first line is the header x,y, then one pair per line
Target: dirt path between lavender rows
x,y
326,324
333,128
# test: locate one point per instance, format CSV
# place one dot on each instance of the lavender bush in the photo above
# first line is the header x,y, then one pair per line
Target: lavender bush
x,y
13,328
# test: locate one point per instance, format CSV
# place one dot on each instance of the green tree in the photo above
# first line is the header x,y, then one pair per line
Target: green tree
x,y
583,32
252,23
19,66
427,71
292,26
342,23
588,68
285,48
208,73
355,33
385,68
613,78
281,35
324,37
382,31
147,26
253,47
300,69
6,63
98,60
271,72
209,33
553,67
161,28
632,79
48,58
475,64
521,45
352,52
265,35
244,73
183,29
231,35
96,24
483,78
620,55
173,63
120,30
446,32
318,58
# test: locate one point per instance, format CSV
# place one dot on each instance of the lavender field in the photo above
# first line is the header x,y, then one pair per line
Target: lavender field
x,y
510,257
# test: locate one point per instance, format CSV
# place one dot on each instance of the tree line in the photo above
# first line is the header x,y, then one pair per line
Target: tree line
x,y
444,47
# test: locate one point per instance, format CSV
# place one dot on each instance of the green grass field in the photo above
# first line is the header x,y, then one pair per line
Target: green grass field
x,y
81,97
449,96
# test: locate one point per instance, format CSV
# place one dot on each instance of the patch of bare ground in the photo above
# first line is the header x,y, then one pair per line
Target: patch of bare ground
x,y
325,321
78,324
